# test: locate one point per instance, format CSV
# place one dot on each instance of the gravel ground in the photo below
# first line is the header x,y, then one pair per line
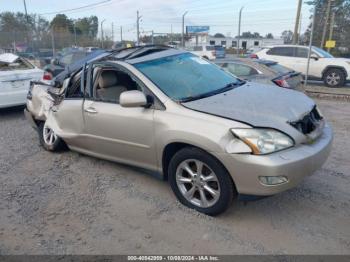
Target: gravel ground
x,y
68,203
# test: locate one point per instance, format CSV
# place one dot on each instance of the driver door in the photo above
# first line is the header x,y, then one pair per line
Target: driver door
x,y
115,132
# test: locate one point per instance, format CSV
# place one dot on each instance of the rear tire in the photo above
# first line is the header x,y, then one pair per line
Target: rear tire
x,y
334,77
48,139
200,181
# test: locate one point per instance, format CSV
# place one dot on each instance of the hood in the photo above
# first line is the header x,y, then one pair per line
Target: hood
x,y
258,105
342,59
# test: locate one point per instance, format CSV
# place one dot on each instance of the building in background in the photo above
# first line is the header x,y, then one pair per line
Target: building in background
x,y
231,42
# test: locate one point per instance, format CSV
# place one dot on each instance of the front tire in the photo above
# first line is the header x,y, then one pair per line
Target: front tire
x,y
48,139
334,77
200,181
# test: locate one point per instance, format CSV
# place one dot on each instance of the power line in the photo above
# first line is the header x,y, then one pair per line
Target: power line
x,y
77,8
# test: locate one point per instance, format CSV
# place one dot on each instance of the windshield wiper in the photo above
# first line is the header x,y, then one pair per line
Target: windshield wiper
x,y
227,87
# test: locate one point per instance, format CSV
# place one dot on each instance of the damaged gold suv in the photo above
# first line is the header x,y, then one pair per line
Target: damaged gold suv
x,y
212,135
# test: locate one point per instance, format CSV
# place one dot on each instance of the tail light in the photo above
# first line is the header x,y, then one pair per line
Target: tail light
x,y
282,82
254,56
29,94
47,76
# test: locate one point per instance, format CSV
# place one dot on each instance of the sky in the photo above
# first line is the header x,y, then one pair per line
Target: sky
x,y
162,16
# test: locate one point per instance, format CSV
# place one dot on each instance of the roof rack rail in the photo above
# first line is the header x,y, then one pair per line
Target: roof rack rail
x,y
137,49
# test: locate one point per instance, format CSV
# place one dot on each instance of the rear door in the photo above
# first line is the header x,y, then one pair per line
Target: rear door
x,y
284,55
68,114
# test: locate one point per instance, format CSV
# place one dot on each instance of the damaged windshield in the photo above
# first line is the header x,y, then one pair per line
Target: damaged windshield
x,y
186,77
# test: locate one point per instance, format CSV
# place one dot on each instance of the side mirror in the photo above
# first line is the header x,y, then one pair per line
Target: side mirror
x,y
132,98
314,57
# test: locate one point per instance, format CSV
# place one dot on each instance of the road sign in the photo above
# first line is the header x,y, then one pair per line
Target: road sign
x,y
330,44
197,29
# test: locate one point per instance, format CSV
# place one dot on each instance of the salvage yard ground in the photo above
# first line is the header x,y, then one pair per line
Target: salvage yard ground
x,y
68,203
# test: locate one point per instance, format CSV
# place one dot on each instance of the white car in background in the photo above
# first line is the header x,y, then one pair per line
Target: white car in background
x,y
323,66
15,76
204,51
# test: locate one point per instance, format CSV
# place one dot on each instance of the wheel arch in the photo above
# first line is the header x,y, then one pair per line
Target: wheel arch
x,y
334,67
172,148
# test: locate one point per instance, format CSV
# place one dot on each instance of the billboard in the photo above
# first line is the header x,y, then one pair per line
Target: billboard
x,y
197,29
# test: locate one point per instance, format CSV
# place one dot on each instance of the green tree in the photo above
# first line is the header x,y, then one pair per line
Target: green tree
x,y
269,36
61,23
250,35
219,35
341,32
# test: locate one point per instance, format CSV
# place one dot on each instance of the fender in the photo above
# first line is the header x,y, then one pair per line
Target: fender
x,y
337,67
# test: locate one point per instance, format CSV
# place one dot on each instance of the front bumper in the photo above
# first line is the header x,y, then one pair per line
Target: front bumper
x,y
294,163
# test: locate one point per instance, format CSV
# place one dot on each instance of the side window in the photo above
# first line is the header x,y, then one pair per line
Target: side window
x,y
18,65
301,52
281,51
314,54
241,70
73,89
109,83
198,48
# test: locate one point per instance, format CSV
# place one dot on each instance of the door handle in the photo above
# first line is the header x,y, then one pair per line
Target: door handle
x,y
91,110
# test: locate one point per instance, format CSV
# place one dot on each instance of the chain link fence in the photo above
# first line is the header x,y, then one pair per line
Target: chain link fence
x,y
41,47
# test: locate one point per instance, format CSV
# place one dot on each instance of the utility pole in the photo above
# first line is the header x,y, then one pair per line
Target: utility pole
x,y
326,23
102,32
75,34
138,27
112,32
297,21
25,9
121,33
171,33
239,28
183,28
331,28
301,18
310,46
53,41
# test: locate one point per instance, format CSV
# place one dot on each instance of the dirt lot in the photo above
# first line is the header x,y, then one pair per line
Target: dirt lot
x,y
68,203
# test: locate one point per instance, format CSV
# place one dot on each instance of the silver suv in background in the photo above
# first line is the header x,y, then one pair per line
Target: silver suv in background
x,y
210,134
323,66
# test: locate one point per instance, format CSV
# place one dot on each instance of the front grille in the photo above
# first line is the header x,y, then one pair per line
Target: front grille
x,y
309,122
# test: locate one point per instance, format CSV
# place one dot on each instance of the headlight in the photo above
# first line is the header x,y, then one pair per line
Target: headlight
x,y
263,140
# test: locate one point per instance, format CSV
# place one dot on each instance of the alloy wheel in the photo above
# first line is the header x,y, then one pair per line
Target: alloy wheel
x,y
49,135
198,183
333,79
